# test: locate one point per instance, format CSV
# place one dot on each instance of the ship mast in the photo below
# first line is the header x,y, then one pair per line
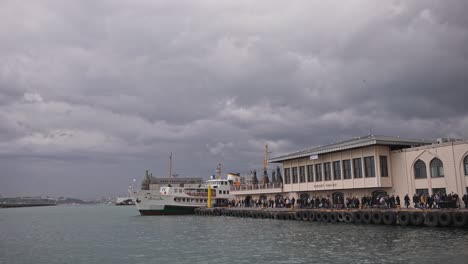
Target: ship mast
x,y
218,171
170,168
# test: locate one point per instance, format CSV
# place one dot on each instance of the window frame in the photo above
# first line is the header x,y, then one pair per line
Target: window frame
x,y
383,161
465,165
436,171
318,172
287,175
336,170
357,170
310,173
369,167
420,167
440,190
424,191
295,176
327,171
347,169
302,177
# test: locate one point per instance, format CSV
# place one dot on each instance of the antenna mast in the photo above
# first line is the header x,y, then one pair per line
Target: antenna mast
x,y
218,171
170,168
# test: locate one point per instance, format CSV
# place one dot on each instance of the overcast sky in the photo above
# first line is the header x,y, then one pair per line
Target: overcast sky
x,y
92,93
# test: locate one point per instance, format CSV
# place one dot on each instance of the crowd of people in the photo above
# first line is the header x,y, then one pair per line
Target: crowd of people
x,y
422,201
278,202
437,200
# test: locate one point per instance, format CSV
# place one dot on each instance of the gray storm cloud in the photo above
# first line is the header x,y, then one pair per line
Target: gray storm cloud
x,y
92,93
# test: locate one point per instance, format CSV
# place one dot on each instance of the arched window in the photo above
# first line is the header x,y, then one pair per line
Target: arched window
x,y
420,169
465,163
437,168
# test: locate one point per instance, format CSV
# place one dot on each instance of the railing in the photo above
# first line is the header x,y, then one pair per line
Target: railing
x,y
246,187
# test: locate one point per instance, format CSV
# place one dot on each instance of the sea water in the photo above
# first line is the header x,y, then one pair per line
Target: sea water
x,y
113,234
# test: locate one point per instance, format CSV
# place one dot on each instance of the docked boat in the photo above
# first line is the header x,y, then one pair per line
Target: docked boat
x,y
184,198
175,196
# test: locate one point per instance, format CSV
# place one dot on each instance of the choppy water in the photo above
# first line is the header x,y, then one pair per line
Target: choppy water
x,y
108,234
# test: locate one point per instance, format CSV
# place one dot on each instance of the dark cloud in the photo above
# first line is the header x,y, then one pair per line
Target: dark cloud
x,y
93,93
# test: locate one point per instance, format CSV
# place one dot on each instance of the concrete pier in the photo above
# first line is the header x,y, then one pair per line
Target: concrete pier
x,y
403,217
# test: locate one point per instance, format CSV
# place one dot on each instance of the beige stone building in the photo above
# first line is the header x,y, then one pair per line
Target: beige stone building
x,y
370,165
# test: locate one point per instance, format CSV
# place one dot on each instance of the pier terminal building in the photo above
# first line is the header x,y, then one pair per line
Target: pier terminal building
x,y
371,165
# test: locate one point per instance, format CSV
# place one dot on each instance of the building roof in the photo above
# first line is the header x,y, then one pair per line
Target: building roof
x,y
357,142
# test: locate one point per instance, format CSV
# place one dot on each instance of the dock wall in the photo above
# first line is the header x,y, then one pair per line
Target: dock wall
x,y
402,217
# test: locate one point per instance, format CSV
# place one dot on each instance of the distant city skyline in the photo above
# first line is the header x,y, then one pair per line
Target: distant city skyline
x,y
93,93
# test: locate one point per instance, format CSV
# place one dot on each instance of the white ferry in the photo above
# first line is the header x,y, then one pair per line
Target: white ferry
x,y
184,196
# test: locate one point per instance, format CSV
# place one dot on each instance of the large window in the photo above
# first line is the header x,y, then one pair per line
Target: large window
x,y
302,174
357,167
287,176
422,191
294,174
336,170
420,170
439,191
318,172
383,166
370,166
465,163
327,170
437,168
346,169
310,173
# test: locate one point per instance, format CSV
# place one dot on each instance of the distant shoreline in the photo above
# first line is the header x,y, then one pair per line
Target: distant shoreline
x,y
24,205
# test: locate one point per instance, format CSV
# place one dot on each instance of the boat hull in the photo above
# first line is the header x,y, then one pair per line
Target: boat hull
x,y
169,210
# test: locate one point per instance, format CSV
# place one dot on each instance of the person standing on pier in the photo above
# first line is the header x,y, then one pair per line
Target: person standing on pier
x,y
416,200
407,201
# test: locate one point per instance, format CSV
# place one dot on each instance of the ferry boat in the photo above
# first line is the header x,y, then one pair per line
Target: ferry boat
x,y
176,200
175,196
26,201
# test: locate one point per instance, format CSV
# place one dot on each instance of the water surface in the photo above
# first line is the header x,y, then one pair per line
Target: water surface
x,y
110,234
